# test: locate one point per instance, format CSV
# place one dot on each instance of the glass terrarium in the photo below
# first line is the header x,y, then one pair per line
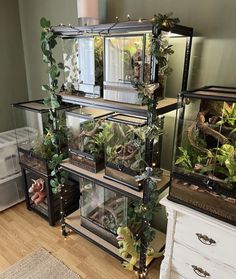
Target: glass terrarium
x,y
87,136
204,167
83,60
125,152
127,58
33,140
102,210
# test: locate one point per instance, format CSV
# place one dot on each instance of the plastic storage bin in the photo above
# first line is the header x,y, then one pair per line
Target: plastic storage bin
x,y
11,191
8,151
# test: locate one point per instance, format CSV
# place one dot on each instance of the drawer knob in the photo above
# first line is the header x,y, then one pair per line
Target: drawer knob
x,y
200,272
205,239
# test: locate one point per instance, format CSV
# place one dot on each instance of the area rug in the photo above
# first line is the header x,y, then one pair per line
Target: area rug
x,y
39,265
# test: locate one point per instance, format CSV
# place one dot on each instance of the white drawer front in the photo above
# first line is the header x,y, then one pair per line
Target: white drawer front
x,y
209,240
192,265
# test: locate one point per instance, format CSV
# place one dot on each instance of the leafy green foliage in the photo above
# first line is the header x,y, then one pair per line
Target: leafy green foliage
x,y
128,140
145,211
160,49
54,139
226,156
228,115
165,20
184,159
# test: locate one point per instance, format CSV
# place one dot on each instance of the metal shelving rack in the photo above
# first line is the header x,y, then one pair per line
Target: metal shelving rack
x,y
163,106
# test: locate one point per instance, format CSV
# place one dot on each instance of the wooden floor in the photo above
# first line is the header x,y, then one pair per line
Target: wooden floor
x,y
23,231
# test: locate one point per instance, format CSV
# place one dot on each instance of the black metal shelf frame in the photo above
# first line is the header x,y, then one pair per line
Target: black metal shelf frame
x,y
124,28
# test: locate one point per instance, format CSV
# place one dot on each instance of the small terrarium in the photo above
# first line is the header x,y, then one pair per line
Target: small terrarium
x,y
127,58
102,210
36,148
125,152
39,196
204,167
87,136
83,60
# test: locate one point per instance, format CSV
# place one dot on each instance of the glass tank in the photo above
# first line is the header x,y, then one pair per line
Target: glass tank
x,y
127,57
87,136
33,140
83,60
204,167
102,210
125,152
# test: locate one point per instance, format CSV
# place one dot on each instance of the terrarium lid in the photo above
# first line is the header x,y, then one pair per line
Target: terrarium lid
x,y
89,112
220,93
128,119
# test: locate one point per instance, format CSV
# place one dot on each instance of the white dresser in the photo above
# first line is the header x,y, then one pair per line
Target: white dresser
x,y
197,245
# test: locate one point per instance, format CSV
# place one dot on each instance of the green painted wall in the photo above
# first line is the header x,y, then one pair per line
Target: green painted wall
x,y
214,22
58,11
13,86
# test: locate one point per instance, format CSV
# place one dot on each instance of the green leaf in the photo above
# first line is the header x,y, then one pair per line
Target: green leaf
x,y
54,190
45,23
46,87
53,183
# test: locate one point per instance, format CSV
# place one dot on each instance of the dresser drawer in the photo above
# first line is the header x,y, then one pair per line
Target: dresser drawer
x,y
209,240
192,265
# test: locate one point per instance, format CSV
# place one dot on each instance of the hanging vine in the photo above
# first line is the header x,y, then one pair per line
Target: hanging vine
x,y
56,133
149,93
160,50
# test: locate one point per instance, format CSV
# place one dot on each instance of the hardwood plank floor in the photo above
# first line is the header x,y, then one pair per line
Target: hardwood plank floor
x,y
23,231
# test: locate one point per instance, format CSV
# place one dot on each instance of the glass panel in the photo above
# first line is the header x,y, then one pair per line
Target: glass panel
x,y
125,153
86,130
207,140
126,58
102,206
71,72
90,62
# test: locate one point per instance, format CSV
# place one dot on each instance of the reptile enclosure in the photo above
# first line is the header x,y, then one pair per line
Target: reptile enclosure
x,y
204,167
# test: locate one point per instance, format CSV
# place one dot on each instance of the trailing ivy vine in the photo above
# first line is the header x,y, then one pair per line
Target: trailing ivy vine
x,y
56,134
160,50
149,93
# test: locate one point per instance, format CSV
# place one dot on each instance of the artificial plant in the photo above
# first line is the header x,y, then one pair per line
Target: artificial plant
x,y
55,134
149,92
142,213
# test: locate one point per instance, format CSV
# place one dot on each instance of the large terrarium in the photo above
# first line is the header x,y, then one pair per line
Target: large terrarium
x,y
103,210
204,167
36,148
88,132
141,58
83,61
125,151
